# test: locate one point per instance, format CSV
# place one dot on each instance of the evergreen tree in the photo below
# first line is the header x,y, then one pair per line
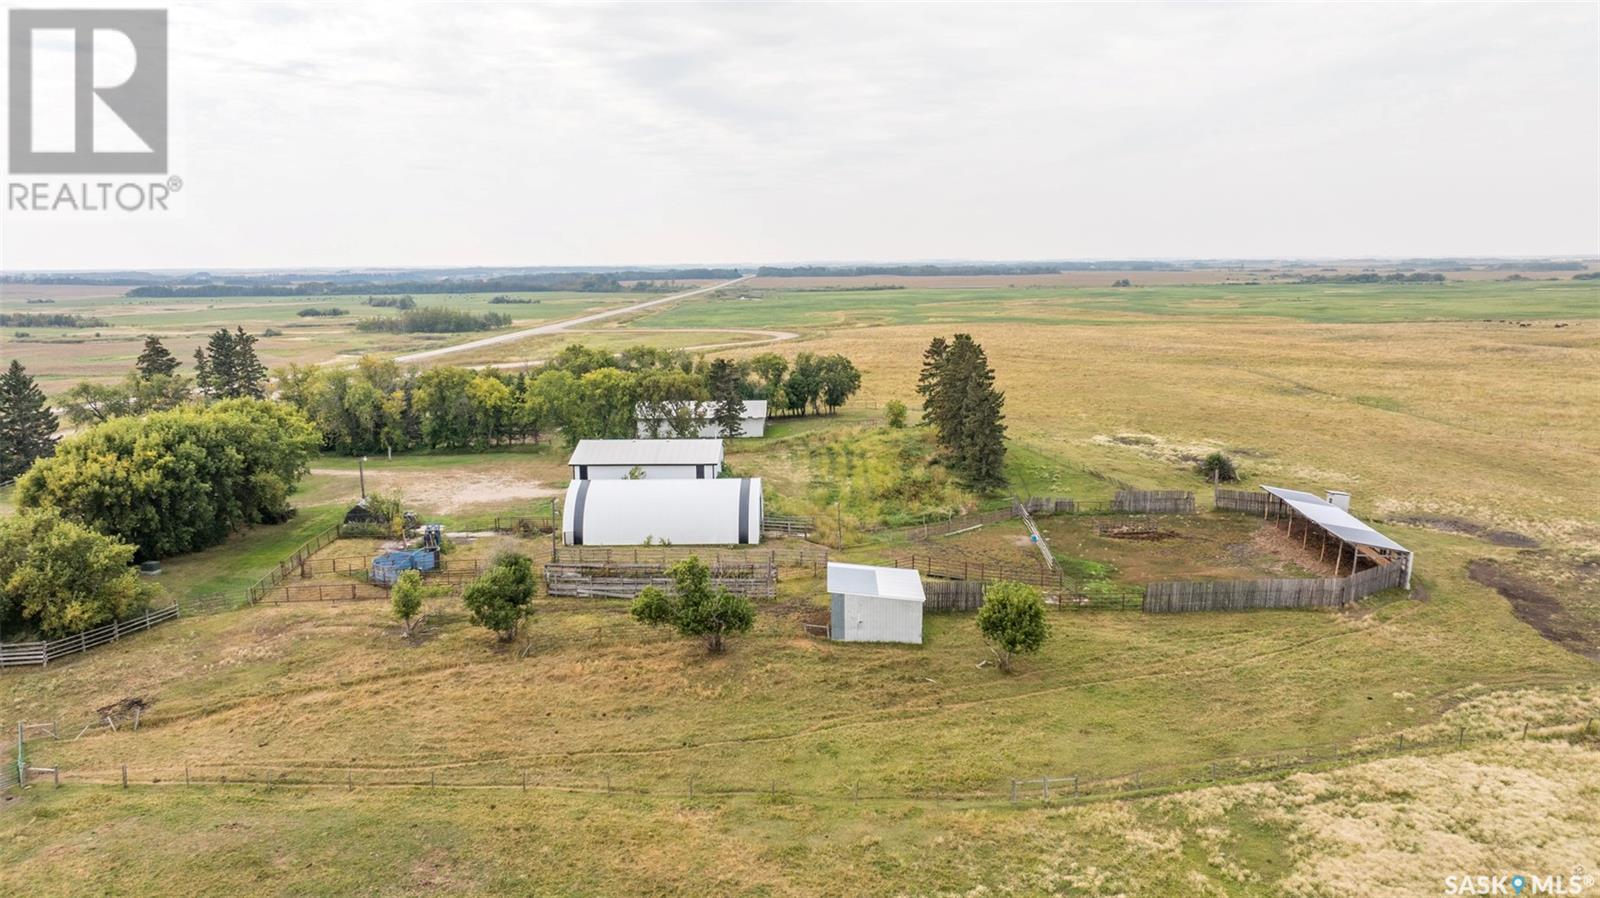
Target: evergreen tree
x,y
155,360
966,411
27,426
728,406
228,368
249,375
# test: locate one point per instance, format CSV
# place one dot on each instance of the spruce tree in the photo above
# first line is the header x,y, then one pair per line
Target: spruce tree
x,y
155,360
249,375
27,426
928,380
728,406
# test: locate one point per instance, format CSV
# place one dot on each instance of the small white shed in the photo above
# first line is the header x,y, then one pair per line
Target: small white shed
x,y
655,459
652,419
875,604
722,512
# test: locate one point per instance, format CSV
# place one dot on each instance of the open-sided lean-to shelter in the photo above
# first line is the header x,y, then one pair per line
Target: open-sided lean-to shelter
x,y
874,604
1331,517
722,512
654,459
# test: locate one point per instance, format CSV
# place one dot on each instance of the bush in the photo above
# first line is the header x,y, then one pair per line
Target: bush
x,y
695,607
1218,467
1012,621
435,320
321,312
894,413
499,598
58,577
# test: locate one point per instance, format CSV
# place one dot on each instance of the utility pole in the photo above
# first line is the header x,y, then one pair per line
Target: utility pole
x,y
361,468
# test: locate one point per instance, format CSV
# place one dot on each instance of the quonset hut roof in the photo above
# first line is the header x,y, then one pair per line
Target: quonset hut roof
x,y
882,582
647,452
1335,520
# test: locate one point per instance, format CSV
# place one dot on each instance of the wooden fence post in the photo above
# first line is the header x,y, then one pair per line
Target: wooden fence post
x,y
124,776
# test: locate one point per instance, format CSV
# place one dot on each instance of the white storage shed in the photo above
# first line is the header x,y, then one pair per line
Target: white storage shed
x,y
651,420
722,512
875,604
655,459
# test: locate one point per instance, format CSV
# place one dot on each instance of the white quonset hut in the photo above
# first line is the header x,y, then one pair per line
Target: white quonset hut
x,y
721,512
654,419
875,604
655,459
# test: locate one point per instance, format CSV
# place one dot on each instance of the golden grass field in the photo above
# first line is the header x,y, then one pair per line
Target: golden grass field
x,y
1450,434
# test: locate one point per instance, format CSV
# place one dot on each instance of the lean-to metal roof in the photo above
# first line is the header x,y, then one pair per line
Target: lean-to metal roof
x,y
1335,520
647,452
882,582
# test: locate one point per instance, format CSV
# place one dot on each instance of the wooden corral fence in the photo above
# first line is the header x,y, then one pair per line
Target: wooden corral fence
x,y
953,595
625,581
362,565
1154,502
291,564
1239,595
787,556
360,590
35,654
1251,501
982,571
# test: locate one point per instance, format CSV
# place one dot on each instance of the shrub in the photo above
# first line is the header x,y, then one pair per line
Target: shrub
x,y
499,598
695,607
1012,621
1218,467
894,413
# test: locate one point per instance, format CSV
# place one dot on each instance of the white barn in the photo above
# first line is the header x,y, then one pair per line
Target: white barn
x,y
655,459
875,604
651,419
722,512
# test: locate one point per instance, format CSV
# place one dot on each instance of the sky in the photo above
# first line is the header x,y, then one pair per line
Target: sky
x,y
395,134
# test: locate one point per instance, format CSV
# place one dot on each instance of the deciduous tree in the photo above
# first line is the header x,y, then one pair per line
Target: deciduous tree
x,y
695,607
1012,621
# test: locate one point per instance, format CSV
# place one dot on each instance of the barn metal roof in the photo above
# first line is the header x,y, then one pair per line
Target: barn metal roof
x,y
1335,520
647,452
882,582
753,408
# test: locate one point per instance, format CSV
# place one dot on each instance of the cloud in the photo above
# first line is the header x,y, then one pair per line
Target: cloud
x,y
389,133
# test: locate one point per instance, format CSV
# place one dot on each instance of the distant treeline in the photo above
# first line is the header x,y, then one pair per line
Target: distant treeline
x,y
316,312
512,300
578,282
1537,266
435,320
39,319
1372,277
805,271
392,302
1587,276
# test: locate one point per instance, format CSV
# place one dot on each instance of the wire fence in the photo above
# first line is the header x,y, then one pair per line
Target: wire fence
x,y
39,654
694,783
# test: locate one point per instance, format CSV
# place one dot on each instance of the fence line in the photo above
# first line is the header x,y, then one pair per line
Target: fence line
x,y
625,581
803,556
290,564
39,654
1097,786
953,595
1251,501
1239,595
1154,501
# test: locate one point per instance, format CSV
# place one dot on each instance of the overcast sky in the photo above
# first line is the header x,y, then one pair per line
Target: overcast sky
x,y
334,134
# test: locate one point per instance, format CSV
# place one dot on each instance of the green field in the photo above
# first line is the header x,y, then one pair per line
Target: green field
x,y
826,768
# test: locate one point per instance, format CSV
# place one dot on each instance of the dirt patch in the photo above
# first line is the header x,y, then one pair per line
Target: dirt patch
x,y
1533,606
1135,531
447,491
1446,524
